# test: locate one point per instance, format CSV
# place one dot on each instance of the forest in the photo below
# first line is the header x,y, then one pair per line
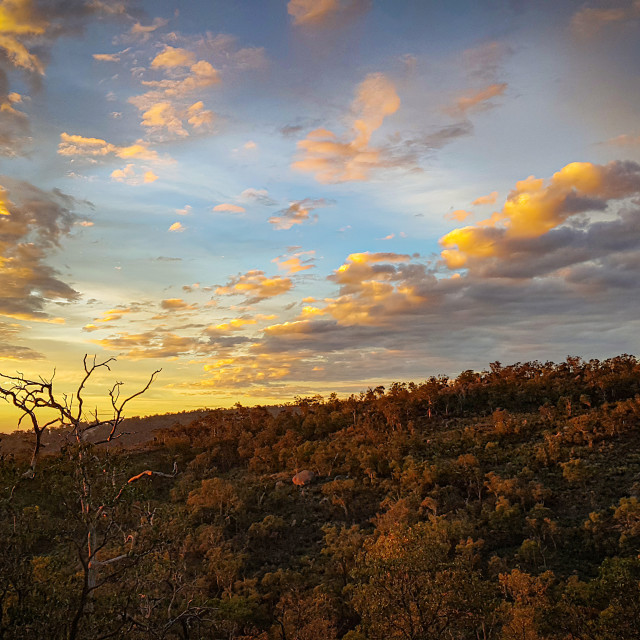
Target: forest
x,y
502,504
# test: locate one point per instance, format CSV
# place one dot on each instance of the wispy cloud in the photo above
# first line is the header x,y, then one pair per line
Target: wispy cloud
x,y
332,159
298,212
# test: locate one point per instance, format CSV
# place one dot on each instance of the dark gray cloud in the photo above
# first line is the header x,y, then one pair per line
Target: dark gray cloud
x,y
31,228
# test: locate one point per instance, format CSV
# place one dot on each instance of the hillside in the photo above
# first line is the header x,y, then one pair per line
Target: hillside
x,y
502,504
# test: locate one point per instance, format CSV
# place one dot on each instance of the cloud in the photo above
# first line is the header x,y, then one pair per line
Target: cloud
x,y
19,19
106,57
255,286
236,324
260,196
155,343
223,51
485,61
490,199
558,257
625,140
143,32
229,208
294,264
76,145
128,175
32,225
201,75
14,124
163,115
246,370
28,30
459,214
298,212
177,227
176,304
334,160
166,107
535,207
477,99
587,22
199,117
11,351
318,13
171,57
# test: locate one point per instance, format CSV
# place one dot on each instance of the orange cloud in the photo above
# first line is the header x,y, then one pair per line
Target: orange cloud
x,y
294,264
333,160
313,13
177,226
176,304
490,199
458,214
256,286
588,21
229,208
477,99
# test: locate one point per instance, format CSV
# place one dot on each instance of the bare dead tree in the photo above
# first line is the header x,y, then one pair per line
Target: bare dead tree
x,y
35,397
39,404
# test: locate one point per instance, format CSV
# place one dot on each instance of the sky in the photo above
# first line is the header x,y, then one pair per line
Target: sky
x,y
268,199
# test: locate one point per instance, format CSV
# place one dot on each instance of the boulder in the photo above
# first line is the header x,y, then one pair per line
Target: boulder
x,y
303,478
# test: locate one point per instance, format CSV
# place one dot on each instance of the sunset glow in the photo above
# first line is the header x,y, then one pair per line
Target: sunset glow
x,y
269,199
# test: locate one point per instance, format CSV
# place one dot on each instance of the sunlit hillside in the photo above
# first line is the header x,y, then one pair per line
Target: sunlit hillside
x,y
502,504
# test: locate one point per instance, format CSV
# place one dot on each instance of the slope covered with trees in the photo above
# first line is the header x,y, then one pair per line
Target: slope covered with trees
x,y
502,504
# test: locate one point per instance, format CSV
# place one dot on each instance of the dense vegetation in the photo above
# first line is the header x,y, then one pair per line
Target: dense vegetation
x,y
502,504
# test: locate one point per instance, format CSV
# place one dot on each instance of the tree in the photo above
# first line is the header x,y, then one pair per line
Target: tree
x,y
93,497
415,585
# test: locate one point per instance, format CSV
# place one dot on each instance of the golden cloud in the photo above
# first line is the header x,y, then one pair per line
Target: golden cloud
x,y
176,304
18,18
173,57
256,286
293,264
536,206
76,145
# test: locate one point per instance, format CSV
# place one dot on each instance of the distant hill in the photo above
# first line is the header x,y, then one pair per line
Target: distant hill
x,y
135,431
